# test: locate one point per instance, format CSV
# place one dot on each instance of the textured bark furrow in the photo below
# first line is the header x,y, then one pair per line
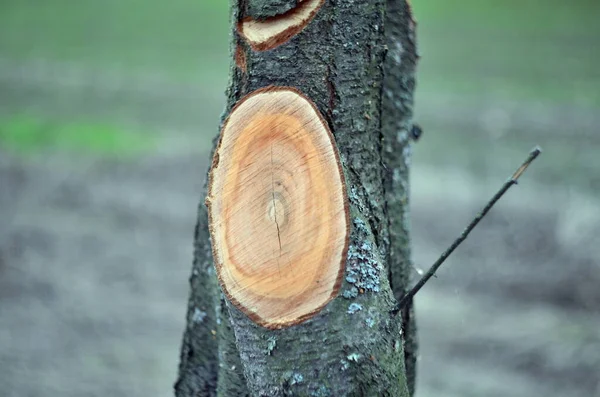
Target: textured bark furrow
x,y
231,380
397,107
262,9
199,361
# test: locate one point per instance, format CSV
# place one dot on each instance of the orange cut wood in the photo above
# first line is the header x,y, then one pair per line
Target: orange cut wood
x,y
269,33
278,208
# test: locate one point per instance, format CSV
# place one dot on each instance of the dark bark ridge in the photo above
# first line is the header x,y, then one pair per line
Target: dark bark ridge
x,y
262,9
199,361
396,126
353,347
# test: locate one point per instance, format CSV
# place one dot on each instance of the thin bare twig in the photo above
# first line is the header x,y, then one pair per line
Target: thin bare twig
x,y
513,180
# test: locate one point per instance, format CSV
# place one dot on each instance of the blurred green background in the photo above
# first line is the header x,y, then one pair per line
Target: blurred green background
x,y
107,110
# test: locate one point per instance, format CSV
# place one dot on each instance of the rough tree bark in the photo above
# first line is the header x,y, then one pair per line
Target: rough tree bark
x,y
355,60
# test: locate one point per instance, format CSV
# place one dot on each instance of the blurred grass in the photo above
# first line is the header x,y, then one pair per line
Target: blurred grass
x,y
534,51
27,134
533,17
518,50
477,47
181,37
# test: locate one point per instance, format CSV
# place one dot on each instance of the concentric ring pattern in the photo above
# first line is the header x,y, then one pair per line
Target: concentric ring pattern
x,y
278,208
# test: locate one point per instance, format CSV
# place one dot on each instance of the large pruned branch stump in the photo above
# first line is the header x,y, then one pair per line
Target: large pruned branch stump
x,y
278,209
287,324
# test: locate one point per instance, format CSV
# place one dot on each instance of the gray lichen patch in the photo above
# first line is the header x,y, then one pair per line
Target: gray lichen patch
x,y
345,365
363,265
297,378
354,307
198,316
354,357
292,378
373,317
356,197
271,344
350,293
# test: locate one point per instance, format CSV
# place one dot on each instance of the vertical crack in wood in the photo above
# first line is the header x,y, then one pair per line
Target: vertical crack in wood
x,y
274,204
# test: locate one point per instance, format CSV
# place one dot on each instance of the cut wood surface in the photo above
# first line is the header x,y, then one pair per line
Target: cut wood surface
x,y
278,208
269,33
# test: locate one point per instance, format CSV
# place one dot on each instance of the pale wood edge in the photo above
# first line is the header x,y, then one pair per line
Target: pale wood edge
x,y
284,36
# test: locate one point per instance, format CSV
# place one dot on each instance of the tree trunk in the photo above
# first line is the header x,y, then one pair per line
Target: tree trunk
x,y
355,61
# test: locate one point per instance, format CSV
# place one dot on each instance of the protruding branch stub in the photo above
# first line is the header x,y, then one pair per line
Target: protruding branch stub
x,y
278,209
268,33
513,180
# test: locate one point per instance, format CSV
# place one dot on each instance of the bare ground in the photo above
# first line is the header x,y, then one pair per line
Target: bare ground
x,y
95,256
93,283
